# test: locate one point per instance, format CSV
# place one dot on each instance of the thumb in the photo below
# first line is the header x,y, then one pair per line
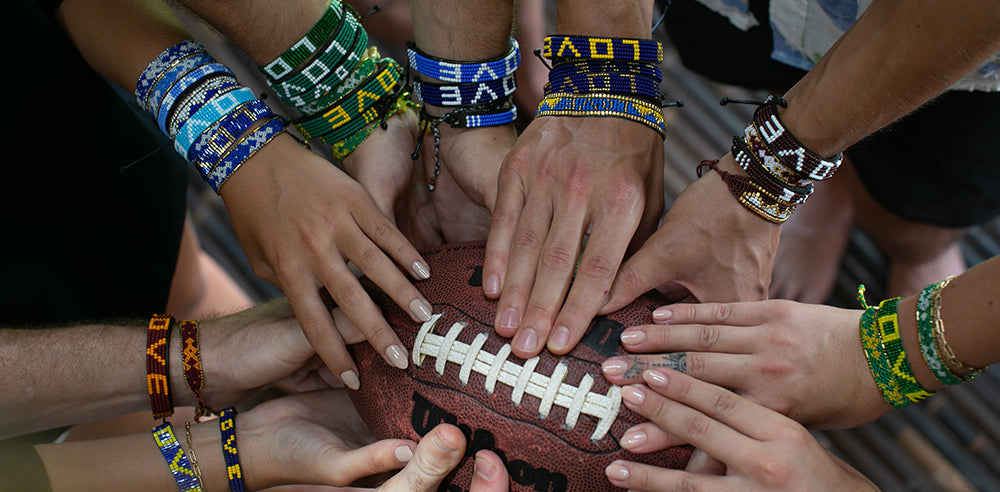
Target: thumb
x,y
490,474
436,455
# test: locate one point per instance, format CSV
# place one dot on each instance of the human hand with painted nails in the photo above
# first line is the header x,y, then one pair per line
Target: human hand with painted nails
x,y
761,449
805,361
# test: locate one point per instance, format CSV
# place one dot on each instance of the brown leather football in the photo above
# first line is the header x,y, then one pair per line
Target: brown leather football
x,y
554,420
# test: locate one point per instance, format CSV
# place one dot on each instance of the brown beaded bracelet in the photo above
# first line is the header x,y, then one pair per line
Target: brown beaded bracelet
x,y
787,148
157,364
194,374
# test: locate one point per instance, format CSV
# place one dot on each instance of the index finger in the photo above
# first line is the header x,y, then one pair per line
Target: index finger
x,y
713,313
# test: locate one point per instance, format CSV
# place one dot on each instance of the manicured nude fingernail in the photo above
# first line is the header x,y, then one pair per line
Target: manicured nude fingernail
x,y
443,444
420,270
492,285
397,356
654,378
633,337
633,395
403,454
350,378
662,314
421,309
560,338
509,318
633,438
526,341
616,471
485,469
615,366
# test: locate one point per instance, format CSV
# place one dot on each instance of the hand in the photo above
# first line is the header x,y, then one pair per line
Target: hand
x,y
708,248
382,164
438,453
299,219
761,449
466,188
802,360
565,177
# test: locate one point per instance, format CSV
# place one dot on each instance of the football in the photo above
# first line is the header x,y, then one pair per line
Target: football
x,y
554,420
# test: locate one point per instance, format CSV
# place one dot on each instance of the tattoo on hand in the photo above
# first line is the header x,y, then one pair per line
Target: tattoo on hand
x,y
639,363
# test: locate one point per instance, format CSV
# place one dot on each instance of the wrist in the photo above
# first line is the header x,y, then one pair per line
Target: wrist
x,y
612,19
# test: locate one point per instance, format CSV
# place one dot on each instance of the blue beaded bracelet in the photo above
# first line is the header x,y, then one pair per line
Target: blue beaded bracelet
x,y
615,83
171,75
603,105
180,466
465,72
201,94
227,425
159,64
211,112
464,94
182,84
570,67
243,150
640,50
213,144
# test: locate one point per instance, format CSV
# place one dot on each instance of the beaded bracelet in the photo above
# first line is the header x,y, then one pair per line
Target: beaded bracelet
x,y
950,360
875,353
895,354
194,375
354,106
157,364
750,195
787,148
159,65
603,105
609,82
210,113
750,163
230,452
205,153
182,84
340,150
189,104
336,77
348,45
244,149
573,66
169,76
465,72
464,94
641,50
928,343
180,467
291,58
358,74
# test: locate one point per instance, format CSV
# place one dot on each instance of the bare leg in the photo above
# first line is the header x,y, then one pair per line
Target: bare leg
x,y
919,254
813,241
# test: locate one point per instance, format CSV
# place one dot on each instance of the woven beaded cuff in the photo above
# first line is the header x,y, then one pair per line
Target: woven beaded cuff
x,y
787,148
157,365
304,48
354,106
339,55
750,163
887,323
228,130
603,105
464,94
607,82
572,66
640,50
767,157
244,149
180,466
207,116
160,64
168,77
230,451
189,104
181,85
465,72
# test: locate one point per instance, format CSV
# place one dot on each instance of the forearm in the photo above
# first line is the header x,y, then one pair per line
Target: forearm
x,y
262,28
897,56
61,376
621,19
119,38
132,462
465,30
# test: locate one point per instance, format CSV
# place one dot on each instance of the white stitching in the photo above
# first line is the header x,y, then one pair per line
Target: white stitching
x,y
551,390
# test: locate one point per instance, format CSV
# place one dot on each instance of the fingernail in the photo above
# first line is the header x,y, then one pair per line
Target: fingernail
x,y
654,378
633,337
509,318
421,309
403,454
633,395
485,469
633,438
560,338
607,298
616,471
397,356
443,444
526,341
350,378
420,270
662,314
492,285
614,366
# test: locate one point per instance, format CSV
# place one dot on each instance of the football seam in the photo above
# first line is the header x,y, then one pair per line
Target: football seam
x,y
550,390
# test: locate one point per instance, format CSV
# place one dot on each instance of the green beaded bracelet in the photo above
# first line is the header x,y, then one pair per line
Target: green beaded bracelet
x,y
304,48
925,327
354,110
888,326
359,74
875,353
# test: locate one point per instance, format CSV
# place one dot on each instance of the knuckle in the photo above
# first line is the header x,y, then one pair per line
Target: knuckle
x,y
772,473
695,367
697,426
726,402
383,230
708,336
721,313
559,258
370,256
628,279
687,484
527,239
626,195
347,294
597,266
